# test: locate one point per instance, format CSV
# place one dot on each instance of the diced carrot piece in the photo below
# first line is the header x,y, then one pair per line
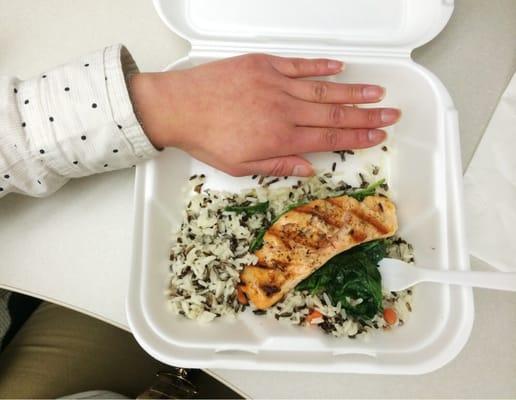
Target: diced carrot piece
x,y
241,297
390,316
314,314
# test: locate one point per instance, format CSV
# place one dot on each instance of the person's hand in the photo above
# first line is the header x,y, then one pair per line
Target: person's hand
x,y
252,115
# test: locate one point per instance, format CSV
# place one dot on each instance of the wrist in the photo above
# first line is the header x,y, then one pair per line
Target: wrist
x,y
152,107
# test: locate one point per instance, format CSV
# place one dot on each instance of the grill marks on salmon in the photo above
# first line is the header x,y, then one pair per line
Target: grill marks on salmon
x,y
303,239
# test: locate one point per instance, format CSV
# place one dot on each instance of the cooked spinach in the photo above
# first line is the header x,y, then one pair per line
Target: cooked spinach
x,y
350,276
368,191
258,208
258,240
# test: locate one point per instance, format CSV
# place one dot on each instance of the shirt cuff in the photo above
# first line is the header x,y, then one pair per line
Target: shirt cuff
x,y
119,66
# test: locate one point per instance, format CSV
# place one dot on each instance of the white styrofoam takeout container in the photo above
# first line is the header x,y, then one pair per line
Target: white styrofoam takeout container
x,y
375,39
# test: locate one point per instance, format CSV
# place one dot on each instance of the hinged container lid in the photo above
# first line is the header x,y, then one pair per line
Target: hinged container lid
x,y
369,25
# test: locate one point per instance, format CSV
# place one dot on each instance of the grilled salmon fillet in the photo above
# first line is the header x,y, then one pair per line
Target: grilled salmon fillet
x,y
303,239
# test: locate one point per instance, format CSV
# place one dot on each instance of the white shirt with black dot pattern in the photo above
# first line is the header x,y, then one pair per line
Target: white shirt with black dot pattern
x,y
71,121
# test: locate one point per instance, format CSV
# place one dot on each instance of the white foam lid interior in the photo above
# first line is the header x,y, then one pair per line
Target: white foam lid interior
x,y
400,25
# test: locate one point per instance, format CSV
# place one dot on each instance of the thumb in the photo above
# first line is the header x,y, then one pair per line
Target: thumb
x,y
281,166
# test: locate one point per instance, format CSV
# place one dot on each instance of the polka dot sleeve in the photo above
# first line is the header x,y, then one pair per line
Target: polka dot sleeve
x,y
71,121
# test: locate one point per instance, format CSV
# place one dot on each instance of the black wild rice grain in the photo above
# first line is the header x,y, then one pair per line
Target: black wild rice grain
x,y
409,307
192,177
385,187
384,148
254,176
362,323
376,169
363,182
185,272
343,186
260,181
233,244
327,326
342,155
333,166
272,181
259,312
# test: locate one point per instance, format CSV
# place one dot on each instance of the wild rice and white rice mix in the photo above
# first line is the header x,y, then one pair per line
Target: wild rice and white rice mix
x,y
212,247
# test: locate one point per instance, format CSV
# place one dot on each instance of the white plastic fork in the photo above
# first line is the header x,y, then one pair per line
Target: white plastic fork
x,y
398,275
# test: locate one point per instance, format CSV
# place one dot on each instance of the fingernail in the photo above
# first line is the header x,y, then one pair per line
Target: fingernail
x,y
337,65
302,170
373,92
376,135
389,115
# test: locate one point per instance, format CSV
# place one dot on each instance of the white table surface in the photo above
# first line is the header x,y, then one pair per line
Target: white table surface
x,y
73,248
